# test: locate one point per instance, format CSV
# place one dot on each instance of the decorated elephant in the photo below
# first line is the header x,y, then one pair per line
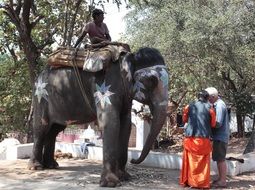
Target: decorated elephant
x,y
107,98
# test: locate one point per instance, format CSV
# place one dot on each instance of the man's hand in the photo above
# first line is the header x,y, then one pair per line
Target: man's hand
x,y
105,43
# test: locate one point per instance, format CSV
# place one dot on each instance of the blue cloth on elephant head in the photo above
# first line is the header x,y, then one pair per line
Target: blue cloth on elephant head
x,y
159,71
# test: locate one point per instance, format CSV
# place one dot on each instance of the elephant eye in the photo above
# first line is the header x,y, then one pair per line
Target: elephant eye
x,y
150,82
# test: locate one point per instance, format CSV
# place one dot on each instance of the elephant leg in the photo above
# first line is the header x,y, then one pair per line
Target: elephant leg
x,y
36,162
40,129
109,120
124,135
49,146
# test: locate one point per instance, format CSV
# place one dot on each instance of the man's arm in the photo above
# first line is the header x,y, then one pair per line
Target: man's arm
x,y
220,114
83,34
96,40
213,117
108,37
107,33
185,114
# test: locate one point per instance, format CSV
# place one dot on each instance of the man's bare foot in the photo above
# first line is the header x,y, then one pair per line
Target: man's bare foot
x,y
219,184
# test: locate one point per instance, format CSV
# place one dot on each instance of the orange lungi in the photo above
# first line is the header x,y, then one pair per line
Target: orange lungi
x,y
195,170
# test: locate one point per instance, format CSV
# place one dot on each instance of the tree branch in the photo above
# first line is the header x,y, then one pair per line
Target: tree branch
x,y
11,3
48,40
226,76
65,29
18,8
37,19
182,96
12,52
77,6
9,12
25,15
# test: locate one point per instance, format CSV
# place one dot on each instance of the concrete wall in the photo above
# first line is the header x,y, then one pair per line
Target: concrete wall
x,y
154,159
21,151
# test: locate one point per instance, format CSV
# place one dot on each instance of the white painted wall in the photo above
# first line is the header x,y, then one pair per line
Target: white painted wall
x,y
233,123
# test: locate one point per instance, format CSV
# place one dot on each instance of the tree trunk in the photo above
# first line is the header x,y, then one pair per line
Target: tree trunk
x,y
251,144
31,61
72,22
32,54
240,125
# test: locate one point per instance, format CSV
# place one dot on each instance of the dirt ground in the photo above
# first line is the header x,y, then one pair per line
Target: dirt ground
x,y
85,174
81,174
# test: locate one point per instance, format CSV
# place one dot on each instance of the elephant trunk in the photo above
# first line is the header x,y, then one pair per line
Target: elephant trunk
x,y
159,116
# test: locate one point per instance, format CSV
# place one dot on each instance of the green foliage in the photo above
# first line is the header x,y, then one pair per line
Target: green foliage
x,y
205,43
15,95
8,36
55,25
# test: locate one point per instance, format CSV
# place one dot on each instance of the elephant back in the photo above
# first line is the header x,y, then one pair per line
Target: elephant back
x,y
91,60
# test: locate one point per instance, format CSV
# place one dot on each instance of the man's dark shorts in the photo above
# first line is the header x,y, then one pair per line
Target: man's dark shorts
x,y
219,151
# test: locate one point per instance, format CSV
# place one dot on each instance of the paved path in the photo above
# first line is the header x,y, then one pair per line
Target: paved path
x,y
85,174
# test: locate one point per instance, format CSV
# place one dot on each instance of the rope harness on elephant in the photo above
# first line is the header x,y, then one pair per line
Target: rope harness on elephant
x,y
78,77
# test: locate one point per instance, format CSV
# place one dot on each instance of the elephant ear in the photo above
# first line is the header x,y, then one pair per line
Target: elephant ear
x,y
126,65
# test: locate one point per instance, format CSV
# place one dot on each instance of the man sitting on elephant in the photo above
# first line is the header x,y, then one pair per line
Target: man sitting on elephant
x,y
97,30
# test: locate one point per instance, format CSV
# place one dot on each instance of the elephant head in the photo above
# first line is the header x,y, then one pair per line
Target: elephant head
x,y
148,78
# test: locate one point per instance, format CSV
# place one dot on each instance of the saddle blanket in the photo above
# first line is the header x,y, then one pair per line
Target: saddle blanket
x,y
91,60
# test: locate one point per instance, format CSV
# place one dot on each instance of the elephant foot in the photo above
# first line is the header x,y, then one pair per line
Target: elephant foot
x,y
109,180
51,165
123,175
34,165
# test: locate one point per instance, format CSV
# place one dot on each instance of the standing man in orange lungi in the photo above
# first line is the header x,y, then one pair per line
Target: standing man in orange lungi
x,y
200,118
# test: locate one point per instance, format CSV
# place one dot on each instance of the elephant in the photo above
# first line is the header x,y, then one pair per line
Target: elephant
x,y
59,101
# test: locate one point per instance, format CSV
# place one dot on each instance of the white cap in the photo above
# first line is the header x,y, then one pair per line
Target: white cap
x,y
212,91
